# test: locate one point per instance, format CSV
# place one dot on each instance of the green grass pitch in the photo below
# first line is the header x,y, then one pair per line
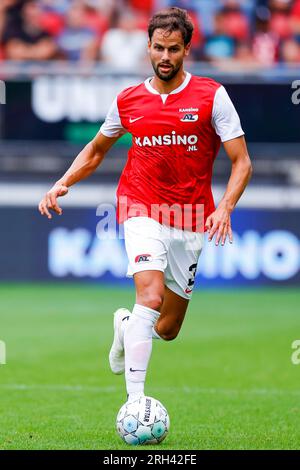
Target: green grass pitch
x,y
227,381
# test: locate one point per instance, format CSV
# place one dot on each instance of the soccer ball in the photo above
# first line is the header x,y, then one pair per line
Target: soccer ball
x,y
144,421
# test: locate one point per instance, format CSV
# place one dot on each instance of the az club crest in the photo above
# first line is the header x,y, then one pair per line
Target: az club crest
x,y
189,117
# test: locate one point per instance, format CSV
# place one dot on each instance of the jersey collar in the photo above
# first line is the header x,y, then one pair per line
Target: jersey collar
x,y
177,90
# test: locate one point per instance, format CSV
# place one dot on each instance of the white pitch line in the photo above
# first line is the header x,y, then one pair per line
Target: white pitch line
x,y
183,389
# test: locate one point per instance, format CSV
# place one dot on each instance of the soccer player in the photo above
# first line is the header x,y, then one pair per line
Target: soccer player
x,y
177,122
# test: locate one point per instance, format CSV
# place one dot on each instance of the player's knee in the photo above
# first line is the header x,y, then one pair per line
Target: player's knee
x,y
151,300
168,334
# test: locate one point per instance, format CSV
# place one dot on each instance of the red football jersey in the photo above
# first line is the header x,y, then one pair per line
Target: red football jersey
x,y
175,140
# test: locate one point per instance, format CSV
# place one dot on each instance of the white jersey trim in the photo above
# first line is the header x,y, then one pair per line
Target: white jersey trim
x,y
173,92
112,126
225,118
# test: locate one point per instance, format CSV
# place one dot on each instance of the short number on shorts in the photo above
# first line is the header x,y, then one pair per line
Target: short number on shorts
x,y
192,269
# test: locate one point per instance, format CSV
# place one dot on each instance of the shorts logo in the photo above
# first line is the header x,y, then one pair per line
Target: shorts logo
x,y
143,258
188,290
189,118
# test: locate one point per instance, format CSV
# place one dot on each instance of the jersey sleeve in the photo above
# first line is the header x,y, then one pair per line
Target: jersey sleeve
x,y
225,118
112,126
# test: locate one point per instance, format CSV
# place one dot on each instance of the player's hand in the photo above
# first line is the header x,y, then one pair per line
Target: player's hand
x,y
49,201
219,224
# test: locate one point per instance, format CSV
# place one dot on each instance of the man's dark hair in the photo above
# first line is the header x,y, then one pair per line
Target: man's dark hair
x,y
172,19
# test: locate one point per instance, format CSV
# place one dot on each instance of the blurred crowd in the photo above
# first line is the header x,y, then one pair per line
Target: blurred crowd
x,y
228,33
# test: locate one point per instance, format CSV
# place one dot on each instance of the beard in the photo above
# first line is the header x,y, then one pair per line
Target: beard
x,y
166,76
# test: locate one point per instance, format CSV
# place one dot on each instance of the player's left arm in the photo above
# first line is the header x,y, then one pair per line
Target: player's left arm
x,y
218,223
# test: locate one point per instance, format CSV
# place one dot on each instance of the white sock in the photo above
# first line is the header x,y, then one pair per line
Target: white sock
x,y
138,347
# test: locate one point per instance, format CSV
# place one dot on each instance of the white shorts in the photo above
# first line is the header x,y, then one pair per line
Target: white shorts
x,y
175,252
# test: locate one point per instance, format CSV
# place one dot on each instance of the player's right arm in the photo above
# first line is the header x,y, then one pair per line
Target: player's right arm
x,y
84,165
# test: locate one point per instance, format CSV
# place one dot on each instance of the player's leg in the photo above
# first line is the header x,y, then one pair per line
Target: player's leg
x,y
147,260
171,316
139,329
183,255
150,288
158,313
149,293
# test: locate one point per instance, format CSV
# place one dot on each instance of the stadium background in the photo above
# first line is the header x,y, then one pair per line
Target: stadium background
x,y
63,63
